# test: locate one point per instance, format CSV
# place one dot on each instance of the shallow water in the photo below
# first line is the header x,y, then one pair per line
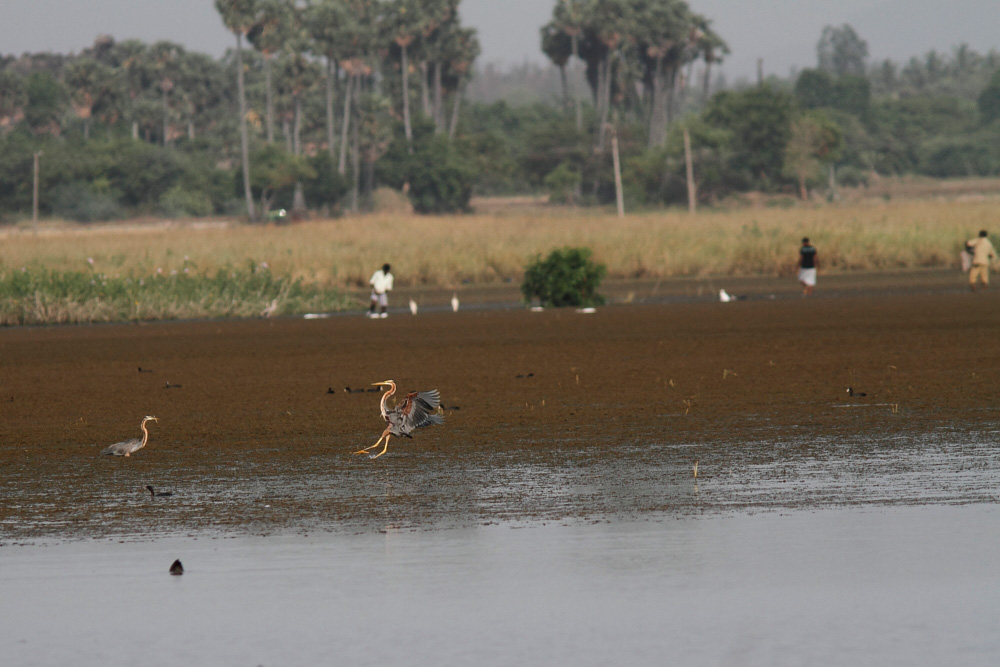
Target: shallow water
x,y
888,586
610,481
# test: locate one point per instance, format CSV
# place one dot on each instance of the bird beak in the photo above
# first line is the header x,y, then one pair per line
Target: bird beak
x,y
384,384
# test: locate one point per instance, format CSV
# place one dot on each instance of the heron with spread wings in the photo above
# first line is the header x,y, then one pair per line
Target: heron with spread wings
x,y
416,411
127,447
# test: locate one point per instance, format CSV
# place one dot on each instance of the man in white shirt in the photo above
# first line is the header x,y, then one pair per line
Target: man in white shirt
x,y
381,283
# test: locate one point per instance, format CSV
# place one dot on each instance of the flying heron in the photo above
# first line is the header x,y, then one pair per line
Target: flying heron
x,y
413,413
126,447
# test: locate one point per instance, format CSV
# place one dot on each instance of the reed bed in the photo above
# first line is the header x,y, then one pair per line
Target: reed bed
x,y
42,296
332,255
447,251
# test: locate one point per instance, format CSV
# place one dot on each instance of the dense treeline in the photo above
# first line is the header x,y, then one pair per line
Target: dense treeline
x,y
321,101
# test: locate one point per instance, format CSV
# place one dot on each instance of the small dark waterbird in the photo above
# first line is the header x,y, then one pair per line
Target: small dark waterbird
x,y
176,568
851,392
128,447
157,494
416,411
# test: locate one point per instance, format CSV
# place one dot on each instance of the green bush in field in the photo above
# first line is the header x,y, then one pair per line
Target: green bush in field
x,y
567,277
441,178
561,183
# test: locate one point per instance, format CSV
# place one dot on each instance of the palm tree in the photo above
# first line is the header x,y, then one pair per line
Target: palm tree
x,y
240,17
404,21
326,20
165,57
269,34
85,78
13,99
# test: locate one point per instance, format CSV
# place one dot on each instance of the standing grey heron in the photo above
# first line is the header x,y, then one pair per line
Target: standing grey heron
x,y
126,447
413,413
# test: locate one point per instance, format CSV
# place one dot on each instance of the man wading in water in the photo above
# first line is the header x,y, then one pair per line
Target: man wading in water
x,y
381,283
807,267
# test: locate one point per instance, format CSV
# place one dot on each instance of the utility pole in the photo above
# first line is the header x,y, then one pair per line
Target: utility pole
x,y
692,192
618,170
34,198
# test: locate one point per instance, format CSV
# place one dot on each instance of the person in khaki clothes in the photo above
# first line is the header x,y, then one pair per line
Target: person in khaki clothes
x,y
982,253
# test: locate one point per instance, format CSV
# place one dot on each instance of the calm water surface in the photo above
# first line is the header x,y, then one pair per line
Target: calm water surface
x,y
887,586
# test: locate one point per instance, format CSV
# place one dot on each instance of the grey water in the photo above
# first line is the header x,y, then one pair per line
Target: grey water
x,y
903,585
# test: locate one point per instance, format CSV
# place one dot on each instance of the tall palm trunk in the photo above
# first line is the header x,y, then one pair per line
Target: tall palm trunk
x,y
425,96
269,99
579,104
454,110
656,119
707,82
330,132
342,164
406,100
298,196
244,136
603,99
438,114
166,120
297,126
355,164
565,86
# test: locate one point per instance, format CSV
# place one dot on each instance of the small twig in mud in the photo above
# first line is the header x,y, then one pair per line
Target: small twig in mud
x,y
695,470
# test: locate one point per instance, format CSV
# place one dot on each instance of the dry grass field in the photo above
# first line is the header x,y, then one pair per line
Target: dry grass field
x,y
490,248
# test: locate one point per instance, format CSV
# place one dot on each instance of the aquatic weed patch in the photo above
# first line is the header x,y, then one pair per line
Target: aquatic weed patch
x,y
46,296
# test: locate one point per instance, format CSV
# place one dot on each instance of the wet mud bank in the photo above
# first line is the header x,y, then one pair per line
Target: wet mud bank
x,y
554,416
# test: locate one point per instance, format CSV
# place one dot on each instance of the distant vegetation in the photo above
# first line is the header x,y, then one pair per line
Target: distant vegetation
x,y
339,98
118,272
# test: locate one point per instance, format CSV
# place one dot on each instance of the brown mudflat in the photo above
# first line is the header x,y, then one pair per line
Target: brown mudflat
x,y
562,415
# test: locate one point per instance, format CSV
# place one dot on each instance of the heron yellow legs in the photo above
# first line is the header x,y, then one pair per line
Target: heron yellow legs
x,y
385,436
384,448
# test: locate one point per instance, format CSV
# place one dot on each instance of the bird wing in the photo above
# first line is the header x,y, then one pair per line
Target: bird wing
x,y
122,448
415,410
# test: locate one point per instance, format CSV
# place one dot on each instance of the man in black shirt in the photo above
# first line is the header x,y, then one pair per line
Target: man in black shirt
x,y
807,267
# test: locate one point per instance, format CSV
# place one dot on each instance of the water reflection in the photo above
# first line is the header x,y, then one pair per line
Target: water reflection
x,y
527,484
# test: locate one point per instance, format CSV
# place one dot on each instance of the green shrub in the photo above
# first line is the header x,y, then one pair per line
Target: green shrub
x,y
562,182
441,178
77,201
180,203
567,277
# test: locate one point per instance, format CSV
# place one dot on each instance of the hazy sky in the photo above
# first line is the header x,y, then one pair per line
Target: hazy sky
x,y
782,32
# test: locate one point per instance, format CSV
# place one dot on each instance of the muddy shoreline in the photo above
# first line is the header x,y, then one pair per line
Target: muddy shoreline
x,y
562,416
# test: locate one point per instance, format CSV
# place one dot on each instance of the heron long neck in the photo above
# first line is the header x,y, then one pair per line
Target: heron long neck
x,y
385,397
145,435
